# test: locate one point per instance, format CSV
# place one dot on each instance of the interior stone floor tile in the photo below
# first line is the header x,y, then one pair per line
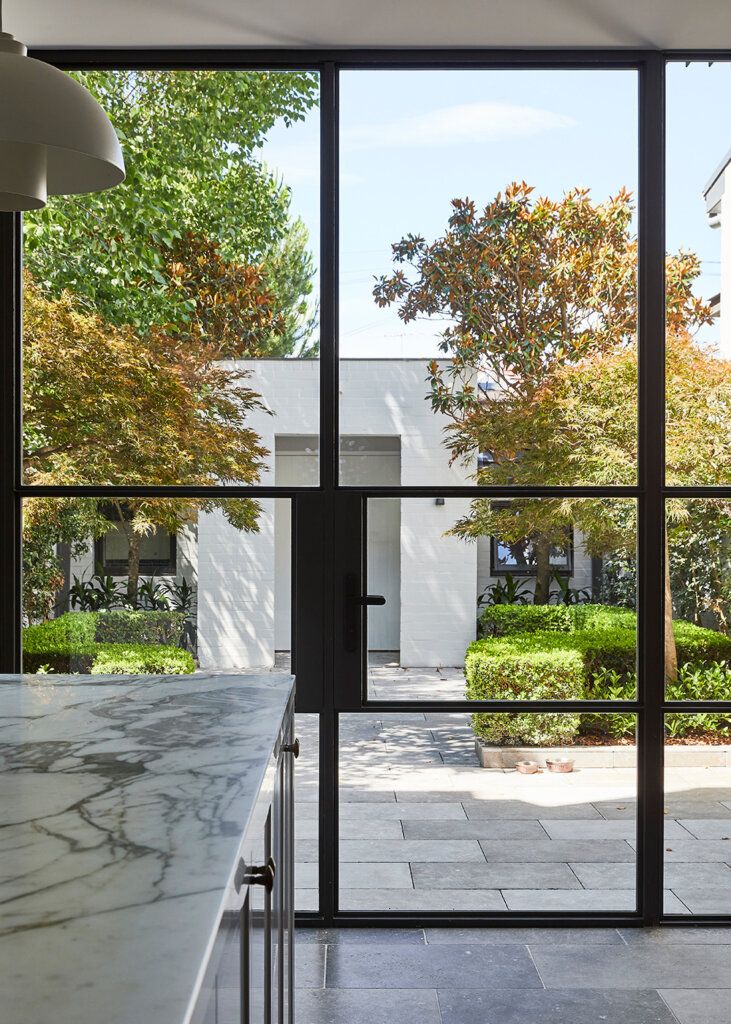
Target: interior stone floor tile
x,y
367,1006
580,1006
405,850
517,809
421,899
489,829
309,964
403,811
459,967
698,1006
598,851
362,936
620,900
494,876
634,967
676,936
524,936
707,828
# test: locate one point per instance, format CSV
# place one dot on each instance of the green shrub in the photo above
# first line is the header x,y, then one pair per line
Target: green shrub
x,y
700,646
65,644
140,627
539,675
600,617
141,659
509,619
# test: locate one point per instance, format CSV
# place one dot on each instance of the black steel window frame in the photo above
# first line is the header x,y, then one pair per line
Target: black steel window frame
x,y
529,571
148,566
329,520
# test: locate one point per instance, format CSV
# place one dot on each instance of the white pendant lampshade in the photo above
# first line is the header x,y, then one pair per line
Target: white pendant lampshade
x,y
55,139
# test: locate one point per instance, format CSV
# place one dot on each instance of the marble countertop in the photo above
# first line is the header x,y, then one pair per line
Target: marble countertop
x,y
123,806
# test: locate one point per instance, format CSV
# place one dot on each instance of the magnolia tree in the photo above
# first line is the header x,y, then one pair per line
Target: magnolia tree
x,y
540,298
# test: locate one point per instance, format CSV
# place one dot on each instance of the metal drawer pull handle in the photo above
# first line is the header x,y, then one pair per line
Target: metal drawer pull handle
x,y
292,748
257,874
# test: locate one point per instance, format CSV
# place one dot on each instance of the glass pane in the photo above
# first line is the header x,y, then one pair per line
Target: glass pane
x,y
698,369
221,603
698,814
307,811
499,600
488,276
170,325
698,600
430,822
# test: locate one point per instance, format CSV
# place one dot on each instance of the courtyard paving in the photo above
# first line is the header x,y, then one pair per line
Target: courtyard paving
x,y
424,827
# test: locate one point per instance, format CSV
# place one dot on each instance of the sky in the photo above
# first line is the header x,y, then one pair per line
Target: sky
x,y
413,140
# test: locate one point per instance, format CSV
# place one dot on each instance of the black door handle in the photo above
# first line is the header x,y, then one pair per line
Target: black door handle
x,y
354,601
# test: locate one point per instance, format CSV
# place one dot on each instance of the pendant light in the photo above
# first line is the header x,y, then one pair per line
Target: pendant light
x,y
55,139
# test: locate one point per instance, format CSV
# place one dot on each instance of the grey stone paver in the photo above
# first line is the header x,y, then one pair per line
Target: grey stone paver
x,y
450,811
698,1006
403,966
707,828
514,810
634,968
438,851
490,829
708,900
597,1006
494,876
600,852
567,900
422,899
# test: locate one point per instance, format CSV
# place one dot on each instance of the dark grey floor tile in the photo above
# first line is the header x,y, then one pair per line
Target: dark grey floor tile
x,y
367,1006
403,966
526,936
489,829
680,936
634,968
698,1006
362,936
582,1006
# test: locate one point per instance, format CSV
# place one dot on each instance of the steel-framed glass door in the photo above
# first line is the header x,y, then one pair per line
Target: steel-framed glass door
x,y
342,532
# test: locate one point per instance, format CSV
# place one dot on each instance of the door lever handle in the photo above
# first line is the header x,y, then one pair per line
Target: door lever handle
x,y
354,601
376,599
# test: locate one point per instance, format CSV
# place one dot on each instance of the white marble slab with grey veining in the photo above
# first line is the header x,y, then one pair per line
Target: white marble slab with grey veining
x,y
123,802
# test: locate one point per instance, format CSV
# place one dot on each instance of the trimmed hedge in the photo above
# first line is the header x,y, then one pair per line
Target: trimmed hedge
x,y
69,644
510,619
140,627
141,659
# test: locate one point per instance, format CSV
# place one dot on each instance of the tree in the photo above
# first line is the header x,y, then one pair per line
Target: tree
x,y
540,298
106,405
191,141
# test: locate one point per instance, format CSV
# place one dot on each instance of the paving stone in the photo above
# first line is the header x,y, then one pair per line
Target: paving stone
x,y
361,936
309,965
698,1006
403,811
436,850
494,876
634,967
371,828
360,794
384,875
516,810
604,900
604,829
460,967
577,1006
489,829
698,851
707,828
599,851
492,936
367,1006
306,900
710,900
421,899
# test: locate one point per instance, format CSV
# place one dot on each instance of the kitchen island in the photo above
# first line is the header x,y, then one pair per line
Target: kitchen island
x,y
137,816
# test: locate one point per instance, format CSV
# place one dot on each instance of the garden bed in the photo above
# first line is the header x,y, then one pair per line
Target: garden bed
x,y
604,755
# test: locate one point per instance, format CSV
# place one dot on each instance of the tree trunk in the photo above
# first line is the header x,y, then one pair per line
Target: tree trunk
x,y
671,653
542,549
133,578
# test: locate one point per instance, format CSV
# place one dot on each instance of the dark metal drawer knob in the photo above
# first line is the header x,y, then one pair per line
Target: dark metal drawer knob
x,y
292,748
256,874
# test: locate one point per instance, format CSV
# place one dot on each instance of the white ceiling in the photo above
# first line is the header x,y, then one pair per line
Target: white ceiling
x,y
323,23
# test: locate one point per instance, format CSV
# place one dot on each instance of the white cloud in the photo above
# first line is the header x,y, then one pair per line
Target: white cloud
x,y
468,122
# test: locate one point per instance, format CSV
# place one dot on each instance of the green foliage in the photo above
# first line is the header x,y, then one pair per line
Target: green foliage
x,y
191,141
141,659
602,616
508,619
140,627
65,644
509,590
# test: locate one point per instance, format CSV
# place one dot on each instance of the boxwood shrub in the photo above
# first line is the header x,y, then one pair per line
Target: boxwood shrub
x,y
509,619
140,627
141,659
